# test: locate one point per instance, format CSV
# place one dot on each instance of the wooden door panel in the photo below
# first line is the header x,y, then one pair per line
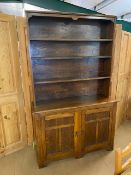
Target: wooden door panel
x,y
96,127
103,130
67,139
122,88
60,140
59,133
122,93
6,69
52,141
11,123
90,133
124,46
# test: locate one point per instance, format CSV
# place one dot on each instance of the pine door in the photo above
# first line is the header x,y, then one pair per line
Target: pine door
x,y
123,75
96,125
12,115
129,80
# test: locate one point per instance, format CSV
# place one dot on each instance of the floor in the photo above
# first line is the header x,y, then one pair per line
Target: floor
x,y
96,163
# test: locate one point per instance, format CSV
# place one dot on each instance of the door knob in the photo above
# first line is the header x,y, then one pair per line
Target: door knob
x,y
6,117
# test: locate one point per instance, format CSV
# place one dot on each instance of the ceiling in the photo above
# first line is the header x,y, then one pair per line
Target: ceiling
x,y
119,8
109,7
84,3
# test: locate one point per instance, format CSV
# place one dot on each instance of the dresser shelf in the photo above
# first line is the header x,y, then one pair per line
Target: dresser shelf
x,y
71,40
71,57
70,102
69,80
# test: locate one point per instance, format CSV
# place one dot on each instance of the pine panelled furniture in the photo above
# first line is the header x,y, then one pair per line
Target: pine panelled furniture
x,y
13,135
128,73
72,62
124,85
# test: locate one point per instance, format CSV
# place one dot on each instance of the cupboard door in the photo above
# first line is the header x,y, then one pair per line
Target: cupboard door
x,y
13,129
55,136
59,134
11,123
96,129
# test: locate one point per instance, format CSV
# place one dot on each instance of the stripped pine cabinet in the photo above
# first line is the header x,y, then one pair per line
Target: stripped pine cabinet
x,y
12,116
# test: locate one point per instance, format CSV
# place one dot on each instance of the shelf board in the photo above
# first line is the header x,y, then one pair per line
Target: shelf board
x,y
70,102
69,80
68,58
71,40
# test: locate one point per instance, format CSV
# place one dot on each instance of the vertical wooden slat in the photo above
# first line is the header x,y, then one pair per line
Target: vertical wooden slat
x,y
116,59
2,138
83,113
97,130
118,162
60,144
77,134
112,126
26,74
39,123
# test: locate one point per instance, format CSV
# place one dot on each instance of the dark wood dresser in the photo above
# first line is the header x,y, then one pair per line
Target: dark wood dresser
x,y
71,56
